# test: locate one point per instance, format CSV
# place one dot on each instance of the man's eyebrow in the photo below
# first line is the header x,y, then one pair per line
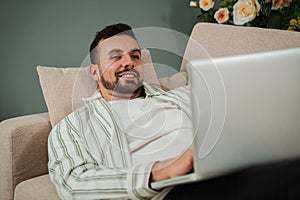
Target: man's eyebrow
x,y
121,51
115,51
135,50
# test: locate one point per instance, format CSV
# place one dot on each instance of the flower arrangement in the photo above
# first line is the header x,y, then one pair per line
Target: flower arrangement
x,y
278,14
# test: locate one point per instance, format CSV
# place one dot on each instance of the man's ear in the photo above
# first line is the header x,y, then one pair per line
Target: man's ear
x,y
94,72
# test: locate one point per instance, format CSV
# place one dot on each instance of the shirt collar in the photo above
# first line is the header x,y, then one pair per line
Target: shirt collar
x,y
150,91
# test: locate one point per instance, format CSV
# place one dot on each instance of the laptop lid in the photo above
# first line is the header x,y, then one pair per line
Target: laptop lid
x,y
246,110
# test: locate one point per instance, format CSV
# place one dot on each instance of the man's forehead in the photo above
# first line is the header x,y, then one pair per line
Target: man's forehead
x,y
121,43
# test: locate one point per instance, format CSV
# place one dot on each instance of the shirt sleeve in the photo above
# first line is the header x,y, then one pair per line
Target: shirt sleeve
x,y
77,175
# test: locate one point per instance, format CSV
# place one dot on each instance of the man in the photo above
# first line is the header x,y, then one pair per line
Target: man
x,y
130,133
123,138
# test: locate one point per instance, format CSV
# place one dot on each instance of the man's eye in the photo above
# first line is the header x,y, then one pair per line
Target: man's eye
x,y
116,57
136,57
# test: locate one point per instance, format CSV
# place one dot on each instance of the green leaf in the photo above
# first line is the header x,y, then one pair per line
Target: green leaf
x,y
274,21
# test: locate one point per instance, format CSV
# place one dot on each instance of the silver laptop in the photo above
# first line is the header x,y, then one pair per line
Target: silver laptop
x,y
246,111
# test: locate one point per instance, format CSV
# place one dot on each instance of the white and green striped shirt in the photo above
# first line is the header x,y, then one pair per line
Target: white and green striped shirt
x,y
95,155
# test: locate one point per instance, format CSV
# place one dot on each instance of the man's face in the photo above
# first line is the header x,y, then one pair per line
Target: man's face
x,y
120,64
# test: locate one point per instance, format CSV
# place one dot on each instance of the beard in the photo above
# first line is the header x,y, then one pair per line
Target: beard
x,y
129,87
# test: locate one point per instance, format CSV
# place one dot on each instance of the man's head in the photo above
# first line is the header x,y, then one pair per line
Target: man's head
x,y
116,62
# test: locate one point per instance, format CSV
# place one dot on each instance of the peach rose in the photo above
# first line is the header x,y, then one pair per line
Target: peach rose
x,y
222,15
193,4
245,11
206,4
278,4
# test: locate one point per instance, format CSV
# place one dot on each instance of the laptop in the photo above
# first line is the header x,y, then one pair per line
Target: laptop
x,y
245,111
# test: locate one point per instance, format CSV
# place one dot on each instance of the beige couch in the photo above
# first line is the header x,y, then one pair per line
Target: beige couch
x,y
23,140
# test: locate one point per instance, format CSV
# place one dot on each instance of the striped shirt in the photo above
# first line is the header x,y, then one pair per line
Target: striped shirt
x,y
91,155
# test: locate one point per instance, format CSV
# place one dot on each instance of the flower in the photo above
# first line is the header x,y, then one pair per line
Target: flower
x,y
222,15
206,4
294,24
245,11
278,4
194,4
276,14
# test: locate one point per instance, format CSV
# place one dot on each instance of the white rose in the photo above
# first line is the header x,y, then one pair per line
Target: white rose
x,y
222,15
206,4
245,11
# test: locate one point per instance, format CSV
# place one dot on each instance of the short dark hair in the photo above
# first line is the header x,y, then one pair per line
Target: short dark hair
x,y
108,32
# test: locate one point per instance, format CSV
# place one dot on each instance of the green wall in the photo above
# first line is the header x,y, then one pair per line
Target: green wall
x,y
58,33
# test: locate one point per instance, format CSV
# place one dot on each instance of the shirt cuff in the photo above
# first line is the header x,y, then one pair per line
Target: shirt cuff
x,y
138,182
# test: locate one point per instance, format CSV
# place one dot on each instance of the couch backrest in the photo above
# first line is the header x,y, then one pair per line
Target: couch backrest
x,y
216,40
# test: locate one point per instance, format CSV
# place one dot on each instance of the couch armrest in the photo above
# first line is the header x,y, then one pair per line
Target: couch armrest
x,y
23,147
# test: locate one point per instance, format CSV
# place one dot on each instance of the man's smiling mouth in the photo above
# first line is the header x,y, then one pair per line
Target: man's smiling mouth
x,y
127,73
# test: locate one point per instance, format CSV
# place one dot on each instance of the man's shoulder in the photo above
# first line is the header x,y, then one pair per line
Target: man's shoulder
x,y
182,90
74,117
157,90
182,93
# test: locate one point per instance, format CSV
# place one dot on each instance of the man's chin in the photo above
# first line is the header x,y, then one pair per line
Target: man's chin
x,y
128,89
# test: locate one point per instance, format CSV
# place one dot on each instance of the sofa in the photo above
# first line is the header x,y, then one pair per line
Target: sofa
x,y
23,140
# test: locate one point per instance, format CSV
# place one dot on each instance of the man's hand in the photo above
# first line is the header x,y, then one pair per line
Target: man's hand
x,y
172,167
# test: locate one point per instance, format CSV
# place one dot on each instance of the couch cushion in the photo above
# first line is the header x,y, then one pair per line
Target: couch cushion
x,y
63,88
57,86
39,188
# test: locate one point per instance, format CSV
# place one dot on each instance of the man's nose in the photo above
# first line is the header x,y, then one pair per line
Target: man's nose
x,y
127,61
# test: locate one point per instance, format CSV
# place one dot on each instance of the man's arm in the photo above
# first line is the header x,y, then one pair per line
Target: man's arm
x,y
76,174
